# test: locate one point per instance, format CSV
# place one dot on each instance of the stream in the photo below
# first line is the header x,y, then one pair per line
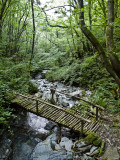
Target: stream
x,y
35,138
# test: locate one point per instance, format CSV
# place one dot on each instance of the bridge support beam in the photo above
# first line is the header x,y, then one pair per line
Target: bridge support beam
x,y
37,107
82,126
97,113
52,98
60,133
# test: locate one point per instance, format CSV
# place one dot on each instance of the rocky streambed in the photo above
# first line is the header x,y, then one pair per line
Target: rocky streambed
x,y
35,138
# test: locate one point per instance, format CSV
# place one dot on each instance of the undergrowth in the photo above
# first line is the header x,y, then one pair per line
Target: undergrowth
x,y
87,73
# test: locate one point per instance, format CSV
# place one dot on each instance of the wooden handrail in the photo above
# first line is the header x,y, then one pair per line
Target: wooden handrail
x,y
60,108
79,98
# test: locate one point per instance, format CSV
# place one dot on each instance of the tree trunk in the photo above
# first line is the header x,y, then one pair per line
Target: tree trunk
x,y
103,7
109,38
33,41
109,28
3,3
96,44
90,18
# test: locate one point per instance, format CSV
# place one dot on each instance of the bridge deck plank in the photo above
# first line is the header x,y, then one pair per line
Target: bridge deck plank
x,y
57,114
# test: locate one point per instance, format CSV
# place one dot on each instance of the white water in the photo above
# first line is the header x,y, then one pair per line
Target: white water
x,y
38,123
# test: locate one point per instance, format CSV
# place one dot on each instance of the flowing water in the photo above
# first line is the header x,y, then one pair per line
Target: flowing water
x,y
35,137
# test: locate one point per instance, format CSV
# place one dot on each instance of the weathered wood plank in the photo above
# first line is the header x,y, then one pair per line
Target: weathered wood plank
x,y
95,127
60,117
50,111
55,107
58,114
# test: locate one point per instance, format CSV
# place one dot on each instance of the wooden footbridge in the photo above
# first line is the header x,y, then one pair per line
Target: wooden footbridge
x,y
60,115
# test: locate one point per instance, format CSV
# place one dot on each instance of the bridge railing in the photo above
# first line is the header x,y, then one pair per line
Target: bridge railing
x,y
40,101
98,107
55,106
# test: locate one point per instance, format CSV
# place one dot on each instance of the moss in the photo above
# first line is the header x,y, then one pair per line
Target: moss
x,y
116,125
16,101
118,135
100,151
76,150
97,142
93,138
28,107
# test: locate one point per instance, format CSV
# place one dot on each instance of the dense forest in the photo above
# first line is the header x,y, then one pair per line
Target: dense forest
x,y
78,41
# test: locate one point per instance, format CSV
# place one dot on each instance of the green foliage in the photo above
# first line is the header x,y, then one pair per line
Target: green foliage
x,y
116,125
5,111
82,107
81,73
32,88
106,96
100,151
14,75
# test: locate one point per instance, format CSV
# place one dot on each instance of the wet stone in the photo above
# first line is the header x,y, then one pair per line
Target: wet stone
x,y
50,126
111,153
85,149
65,104
5,148
66,143
43,151
80,145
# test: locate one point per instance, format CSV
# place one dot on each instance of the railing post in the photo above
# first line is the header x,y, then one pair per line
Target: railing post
x,y
52,98
37,106
59,134
82,126
96,113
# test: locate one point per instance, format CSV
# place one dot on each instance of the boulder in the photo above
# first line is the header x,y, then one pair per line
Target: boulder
x,y
5,148
80,145
52,137
42,151
58,147
85,149
76,93
65,103
93,151
66,143
50,126
111,153
38,94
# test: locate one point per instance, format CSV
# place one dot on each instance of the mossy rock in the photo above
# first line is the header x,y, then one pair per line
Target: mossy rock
x,y
93,138
97,142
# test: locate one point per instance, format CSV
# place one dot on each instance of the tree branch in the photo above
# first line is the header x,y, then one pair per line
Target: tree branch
x,y
51,24
60,7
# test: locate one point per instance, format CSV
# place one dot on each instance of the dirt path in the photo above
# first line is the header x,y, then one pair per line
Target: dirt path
x,y
110,131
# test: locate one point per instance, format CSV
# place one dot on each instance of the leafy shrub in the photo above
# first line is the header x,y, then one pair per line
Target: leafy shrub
x,y
5,111
32,88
